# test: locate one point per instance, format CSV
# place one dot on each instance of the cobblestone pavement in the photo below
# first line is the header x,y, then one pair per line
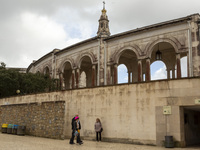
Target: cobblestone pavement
x,y
14,142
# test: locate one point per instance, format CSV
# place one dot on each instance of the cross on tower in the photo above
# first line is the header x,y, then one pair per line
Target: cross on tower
x,y
104,4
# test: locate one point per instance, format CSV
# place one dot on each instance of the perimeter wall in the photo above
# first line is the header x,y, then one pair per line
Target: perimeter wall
x,y
130,113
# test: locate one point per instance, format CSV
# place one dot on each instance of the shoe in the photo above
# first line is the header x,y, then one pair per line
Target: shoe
x,y
71,143
80,143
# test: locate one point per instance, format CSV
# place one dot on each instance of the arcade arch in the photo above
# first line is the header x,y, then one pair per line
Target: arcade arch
x,y
89,69
158,70
67,75
46,71
129,60
122,74
169,56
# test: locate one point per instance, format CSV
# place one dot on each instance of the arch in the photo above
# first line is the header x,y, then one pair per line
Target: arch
x,y
83,55
134,48
62,66
173,41
67,75
46,70
158,70
122,73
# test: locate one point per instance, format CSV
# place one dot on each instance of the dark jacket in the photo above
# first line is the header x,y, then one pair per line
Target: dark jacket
x,y
74,125
73,119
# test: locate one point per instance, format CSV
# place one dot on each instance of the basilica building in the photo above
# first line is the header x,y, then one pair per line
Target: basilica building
x,y
141,111
94,62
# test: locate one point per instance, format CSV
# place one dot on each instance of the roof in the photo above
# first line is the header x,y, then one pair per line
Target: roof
x,y
152,26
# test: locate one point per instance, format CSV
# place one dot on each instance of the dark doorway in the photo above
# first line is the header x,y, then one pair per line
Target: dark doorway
x,y
192,126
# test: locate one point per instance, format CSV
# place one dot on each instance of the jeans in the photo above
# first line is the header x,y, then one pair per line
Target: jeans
x,y
98,133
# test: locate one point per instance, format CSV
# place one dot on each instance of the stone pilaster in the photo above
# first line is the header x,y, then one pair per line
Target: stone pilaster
x,y
148,73
93,75
178,66
139,70
115,74
77,77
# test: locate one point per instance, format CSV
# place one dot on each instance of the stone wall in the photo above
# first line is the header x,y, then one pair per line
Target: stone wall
x,y
44,119
130,113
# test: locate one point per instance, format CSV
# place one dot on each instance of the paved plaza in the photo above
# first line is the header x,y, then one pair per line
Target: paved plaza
x,y
14,142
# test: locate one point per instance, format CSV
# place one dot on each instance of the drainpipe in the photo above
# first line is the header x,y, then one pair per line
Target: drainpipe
x,y
105,63
98,62
190,50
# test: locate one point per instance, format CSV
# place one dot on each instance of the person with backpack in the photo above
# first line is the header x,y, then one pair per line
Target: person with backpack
x,y
76,126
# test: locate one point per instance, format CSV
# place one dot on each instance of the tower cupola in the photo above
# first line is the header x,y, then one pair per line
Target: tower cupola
x,y
103,30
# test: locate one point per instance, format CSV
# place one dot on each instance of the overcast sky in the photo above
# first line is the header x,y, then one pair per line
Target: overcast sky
x,y
30,29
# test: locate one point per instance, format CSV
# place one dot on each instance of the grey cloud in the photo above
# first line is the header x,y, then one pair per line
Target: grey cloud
x,y
74,16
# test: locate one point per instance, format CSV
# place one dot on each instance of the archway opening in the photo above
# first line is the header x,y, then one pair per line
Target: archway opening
x,y
67,75
158,70
127,69
82,80
184,67
163,67
46,71
122,74
86,67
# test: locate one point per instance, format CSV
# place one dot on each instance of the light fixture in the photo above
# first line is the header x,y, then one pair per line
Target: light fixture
x,y
158,54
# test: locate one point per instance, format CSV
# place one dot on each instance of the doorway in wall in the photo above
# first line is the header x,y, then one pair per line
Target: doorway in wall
x,y
192,126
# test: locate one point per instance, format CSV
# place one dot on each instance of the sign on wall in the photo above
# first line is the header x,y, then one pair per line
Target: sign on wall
x,y
197,101
167,110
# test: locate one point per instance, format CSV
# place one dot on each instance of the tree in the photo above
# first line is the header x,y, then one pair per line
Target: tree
x,y
12,81
2,65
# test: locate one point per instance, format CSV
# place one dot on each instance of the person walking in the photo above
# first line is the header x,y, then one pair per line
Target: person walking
x,y
98,129
76,126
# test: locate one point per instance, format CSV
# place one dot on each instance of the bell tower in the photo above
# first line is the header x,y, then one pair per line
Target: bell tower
x,y
103,30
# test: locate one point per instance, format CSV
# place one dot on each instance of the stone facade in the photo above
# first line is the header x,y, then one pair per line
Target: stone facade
x,y
137,49
130,113
44,119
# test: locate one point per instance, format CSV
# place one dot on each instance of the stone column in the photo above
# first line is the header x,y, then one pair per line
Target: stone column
x,y
168,73
188,66
173,73
178,66
129,76
73,78
148,74
139,70
115,74
108,75
93,75
61,81
77,77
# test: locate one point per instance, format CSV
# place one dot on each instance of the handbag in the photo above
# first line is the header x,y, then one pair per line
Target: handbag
x,y
76,133
101,130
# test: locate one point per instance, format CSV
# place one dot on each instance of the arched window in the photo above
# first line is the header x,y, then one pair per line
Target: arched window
x,y
122,74
158,70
